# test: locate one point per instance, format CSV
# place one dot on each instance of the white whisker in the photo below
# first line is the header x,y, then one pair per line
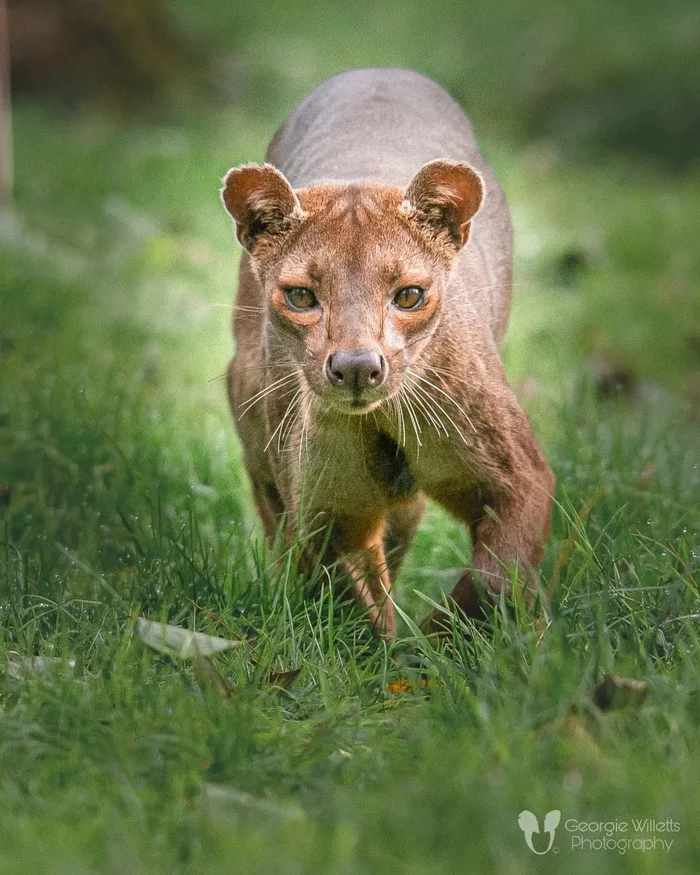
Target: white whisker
x,y
449,398
412,416
272,387
282,420
427,406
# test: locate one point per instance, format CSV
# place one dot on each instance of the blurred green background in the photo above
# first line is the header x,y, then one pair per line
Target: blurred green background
x,y
590,113
122,492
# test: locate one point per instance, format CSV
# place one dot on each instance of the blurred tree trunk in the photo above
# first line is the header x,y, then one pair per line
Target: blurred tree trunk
x,y
6,173
120,51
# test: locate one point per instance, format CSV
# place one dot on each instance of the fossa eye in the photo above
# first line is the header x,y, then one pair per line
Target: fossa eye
x,y
300,298
409,298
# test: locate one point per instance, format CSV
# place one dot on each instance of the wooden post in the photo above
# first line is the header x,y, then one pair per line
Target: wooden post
x,y
6,172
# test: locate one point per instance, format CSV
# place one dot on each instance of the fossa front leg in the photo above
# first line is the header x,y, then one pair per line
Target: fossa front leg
x,y
359,544
372,584
508,517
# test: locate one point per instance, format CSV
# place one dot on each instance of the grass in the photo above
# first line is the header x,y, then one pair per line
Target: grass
x,y
127,498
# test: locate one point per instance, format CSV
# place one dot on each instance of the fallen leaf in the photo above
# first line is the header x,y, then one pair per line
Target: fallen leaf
x,y
183,643
283,679
399,686
403,686
208,675
33,665
615,692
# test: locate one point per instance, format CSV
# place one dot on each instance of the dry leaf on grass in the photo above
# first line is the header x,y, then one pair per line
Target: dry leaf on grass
x,y
208,675
283,679
615,692
22,669
179,642
402,685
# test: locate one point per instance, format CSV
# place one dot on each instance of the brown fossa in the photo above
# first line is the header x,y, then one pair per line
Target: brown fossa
x,y
374,294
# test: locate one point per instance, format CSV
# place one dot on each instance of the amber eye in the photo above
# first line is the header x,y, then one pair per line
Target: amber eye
x,y
409,298
300,298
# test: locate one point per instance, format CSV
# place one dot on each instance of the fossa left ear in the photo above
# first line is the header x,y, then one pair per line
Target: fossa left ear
x,y
442,198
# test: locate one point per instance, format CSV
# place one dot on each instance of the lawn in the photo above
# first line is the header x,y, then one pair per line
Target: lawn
x,y
122,496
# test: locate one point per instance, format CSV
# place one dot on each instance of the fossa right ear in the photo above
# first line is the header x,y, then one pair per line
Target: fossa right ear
x,y
262,203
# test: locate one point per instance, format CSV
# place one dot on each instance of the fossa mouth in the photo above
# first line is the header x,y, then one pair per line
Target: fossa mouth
x,y
356,406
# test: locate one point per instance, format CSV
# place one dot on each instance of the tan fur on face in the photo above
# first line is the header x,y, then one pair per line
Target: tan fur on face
x,y
358,457
355,248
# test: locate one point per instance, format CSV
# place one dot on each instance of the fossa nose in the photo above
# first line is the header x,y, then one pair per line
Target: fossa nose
x,y
356,369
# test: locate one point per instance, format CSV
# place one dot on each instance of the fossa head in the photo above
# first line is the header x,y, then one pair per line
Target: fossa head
x,y
353,275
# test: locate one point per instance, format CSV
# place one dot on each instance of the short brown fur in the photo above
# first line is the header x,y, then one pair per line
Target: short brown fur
x,y
353,214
